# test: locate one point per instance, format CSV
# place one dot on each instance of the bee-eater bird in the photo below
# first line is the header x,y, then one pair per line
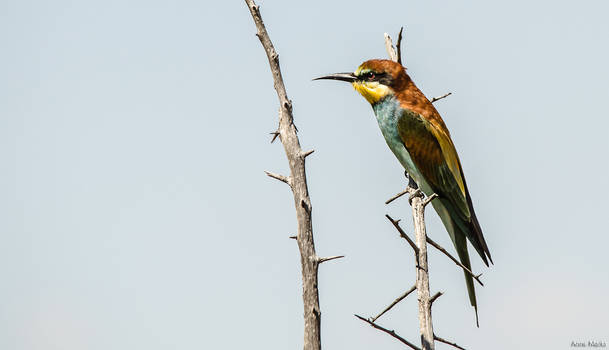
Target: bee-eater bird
x,y
418,137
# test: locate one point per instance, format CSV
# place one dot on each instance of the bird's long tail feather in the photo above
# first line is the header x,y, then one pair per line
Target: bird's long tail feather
x,y
461,247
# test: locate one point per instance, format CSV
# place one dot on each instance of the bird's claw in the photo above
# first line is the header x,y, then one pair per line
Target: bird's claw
x,y
411,182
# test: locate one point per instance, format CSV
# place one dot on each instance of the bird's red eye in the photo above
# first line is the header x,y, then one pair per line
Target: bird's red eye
x,y
370,76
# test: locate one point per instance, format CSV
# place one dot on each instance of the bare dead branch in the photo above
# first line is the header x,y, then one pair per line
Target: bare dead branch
x,y
321,260
394,303
447,342
287,133
399,46
439,247
440,97
285,179
396,196
403,234
390,332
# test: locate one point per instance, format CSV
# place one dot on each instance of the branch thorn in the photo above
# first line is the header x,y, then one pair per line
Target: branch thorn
x,y
322,260
275,135
436,296
429,199
285,179
403,234
396,196
440,97
308,153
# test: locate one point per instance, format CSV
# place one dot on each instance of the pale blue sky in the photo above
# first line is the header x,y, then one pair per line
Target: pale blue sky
x,y
135,210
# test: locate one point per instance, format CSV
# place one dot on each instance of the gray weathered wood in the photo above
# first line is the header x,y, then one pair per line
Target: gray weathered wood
x,y
297,180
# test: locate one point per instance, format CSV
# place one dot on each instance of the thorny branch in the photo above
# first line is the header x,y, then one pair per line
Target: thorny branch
x,y
429,240
297,180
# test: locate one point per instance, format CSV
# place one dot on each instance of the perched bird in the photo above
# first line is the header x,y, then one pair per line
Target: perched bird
x,y
418,137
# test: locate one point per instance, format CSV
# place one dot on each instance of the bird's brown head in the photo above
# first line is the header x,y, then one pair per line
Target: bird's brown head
x,y
375,79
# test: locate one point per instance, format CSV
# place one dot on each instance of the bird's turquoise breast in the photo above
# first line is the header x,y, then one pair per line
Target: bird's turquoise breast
x,y
388,112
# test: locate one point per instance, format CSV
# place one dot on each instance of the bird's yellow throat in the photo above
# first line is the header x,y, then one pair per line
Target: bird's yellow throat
x,y
372,91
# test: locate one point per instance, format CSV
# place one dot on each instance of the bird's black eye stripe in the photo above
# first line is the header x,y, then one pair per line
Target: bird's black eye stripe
x,y
373,76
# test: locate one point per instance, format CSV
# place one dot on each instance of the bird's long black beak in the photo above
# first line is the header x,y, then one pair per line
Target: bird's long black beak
x,y
348,77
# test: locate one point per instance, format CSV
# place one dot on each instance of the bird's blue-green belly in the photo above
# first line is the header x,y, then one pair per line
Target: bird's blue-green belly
x,y
387,113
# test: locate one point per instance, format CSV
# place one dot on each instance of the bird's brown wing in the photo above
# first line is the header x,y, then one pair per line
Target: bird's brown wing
x,y
435,156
